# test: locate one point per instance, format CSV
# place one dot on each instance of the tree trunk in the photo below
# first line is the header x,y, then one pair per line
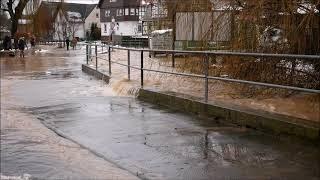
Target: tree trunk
x,y
15,14
14,27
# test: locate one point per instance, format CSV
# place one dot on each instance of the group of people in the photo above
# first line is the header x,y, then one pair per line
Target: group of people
x,y
18,44
21,43
73,43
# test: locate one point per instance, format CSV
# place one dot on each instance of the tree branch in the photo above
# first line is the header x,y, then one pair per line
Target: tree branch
x,y
10,8
5,10
20,7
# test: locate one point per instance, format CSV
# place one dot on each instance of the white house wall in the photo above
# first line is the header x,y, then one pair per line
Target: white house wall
x,y
105,29
80,32
92,18
125,28
58,35
58,32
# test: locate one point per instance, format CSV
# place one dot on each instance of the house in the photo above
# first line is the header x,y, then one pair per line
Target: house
x,y
70,20
92,18
56,20
44,20
119,19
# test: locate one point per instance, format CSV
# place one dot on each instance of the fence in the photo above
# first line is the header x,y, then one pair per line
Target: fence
x,y
204,76
53,42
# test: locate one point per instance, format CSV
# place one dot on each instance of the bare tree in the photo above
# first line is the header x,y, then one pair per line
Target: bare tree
x,y
73,26
60,26
15,12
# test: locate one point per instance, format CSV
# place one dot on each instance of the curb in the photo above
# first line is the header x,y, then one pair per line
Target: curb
x,y
97,74
276,124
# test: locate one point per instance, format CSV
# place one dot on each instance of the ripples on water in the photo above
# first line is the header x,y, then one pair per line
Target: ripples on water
x,y
29,150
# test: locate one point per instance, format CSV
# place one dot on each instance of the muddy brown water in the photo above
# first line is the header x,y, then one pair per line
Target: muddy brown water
x,y
58,123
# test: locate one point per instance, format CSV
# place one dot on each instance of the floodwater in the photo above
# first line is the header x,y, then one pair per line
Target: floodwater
x,y
58,123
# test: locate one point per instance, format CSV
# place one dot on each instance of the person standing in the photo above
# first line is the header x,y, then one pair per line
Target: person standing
x,y
7,43
21,45
67,43
33,42
74,43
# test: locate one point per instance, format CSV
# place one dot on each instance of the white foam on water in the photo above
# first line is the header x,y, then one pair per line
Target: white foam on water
x,y
41,51
23,177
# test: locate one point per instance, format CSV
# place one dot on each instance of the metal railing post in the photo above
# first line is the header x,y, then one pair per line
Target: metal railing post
x,y
141,68
87,53
96,52
206,73
128,64
109,58
173,60
89,49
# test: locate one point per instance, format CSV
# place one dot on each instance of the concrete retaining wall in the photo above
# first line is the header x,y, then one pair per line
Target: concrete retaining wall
x,y
97,74
268,122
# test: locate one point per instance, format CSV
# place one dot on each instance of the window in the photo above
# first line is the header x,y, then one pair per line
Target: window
x,y
105,27
119,12
142,11
107,13
97,15
139,28
137,11
132,11
126,12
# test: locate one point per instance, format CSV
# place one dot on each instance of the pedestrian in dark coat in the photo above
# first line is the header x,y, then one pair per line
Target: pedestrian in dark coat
x,y
6,43
67,43
33,42
22,45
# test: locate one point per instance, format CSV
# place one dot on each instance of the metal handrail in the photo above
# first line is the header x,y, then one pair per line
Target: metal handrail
x,y
218,53
225,53
206,76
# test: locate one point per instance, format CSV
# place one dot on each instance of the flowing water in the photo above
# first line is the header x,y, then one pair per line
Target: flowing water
x,y
29,150
58,123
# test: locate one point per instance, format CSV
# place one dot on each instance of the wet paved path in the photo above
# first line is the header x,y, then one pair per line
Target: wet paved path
x,y
151,142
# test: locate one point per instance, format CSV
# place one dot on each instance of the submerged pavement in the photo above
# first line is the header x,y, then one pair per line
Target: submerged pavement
x,y
57,122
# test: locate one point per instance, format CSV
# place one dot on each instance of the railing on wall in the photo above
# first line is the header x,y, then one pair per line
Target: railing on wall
x,y
205,75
